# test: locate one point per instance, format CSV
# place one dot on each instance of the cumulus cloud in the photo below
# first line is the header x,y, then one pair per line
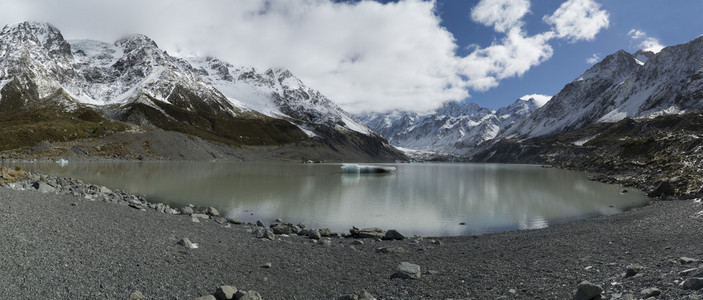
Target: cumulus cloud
x,y
593,59
645,42
364,55
513,56
517,52
502,14
578,20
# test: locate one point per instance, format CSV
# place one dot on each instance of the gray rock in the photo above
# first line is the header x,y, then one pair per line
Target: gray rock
x,y
260,232
235,221
314,234
357,242
693,283
282,229
195,219
239,294
698,273
105,190
211,211
325,232
279,220
633,269
225,292
366,296
267,265
250,295
202,216
436,242
587,291
206,297
394,235
390,249
43,187
136,295
689,272
687,260
160,207
371,233
325,242
186,243
259,223
406,270
269,235
220,220
348,297
187,210
650,292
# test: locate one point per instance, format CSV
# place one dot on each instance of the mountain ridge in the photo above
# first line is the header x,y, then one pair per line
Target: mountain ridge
x,y
132,80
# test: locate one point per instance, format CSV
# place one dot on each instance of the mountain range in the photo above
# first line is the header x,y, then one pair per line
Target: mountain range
x,y
56,90
455,128
112,87
643,85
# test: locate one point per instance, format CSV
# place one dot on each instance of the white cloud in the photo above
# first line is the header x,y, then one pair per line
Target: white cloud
x,y
365,55
541,100
513,56
636,34
595,58
502,14
578,20
644,41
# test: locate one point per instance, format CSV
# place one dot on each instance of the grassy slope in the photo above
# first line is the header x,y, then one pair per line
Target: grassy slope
x,y
26,120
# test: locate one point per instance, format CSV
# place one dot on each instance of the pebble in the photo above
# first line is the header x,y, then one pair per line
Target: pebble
x,y
267,265
687,260
187,243
136,295
650,292
633,269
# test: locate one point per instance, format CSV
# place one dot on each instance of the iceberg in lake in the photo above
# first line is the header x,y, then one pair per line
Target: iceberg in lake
x,y
62,162
354,168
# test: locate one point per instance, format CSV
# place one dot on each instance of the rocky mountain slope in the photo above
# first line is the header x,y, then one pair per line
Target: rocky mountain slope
x,y
134,81
624,85
636,118
454,128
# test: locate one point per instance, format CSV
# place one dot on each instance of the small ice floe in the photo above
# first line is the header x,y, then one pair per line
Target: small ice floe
x,y
62,162
354,168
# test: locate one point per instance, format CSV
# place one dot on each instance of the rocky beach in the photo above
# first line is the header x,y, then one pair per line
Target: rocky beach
x,y
65,239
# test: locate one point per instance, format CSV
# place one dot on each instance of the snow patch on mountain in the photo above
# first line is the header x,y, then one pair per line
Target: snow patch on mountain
x,y
276,93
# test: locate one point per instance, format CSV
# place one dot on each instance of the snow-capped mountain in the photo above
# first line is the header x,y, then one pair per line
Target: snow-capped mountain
x,y
624,85
453,128
133,80
276,93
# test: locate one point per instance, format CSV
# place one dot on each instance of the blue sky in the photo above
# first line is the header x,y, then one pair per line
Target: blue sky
x,y
374,56
669,22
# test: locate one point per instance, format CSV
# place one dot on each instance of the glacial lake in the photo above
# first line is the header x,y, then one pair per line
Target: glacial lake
x,y
427,199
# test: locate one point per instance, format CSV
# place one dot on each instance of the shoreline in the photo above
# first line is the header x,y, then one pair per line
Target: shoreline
x,y
150,202
52,242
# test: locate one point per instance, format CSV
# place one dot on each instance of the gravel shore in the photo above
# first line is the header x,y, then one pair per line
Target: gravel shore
x,y
64,247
